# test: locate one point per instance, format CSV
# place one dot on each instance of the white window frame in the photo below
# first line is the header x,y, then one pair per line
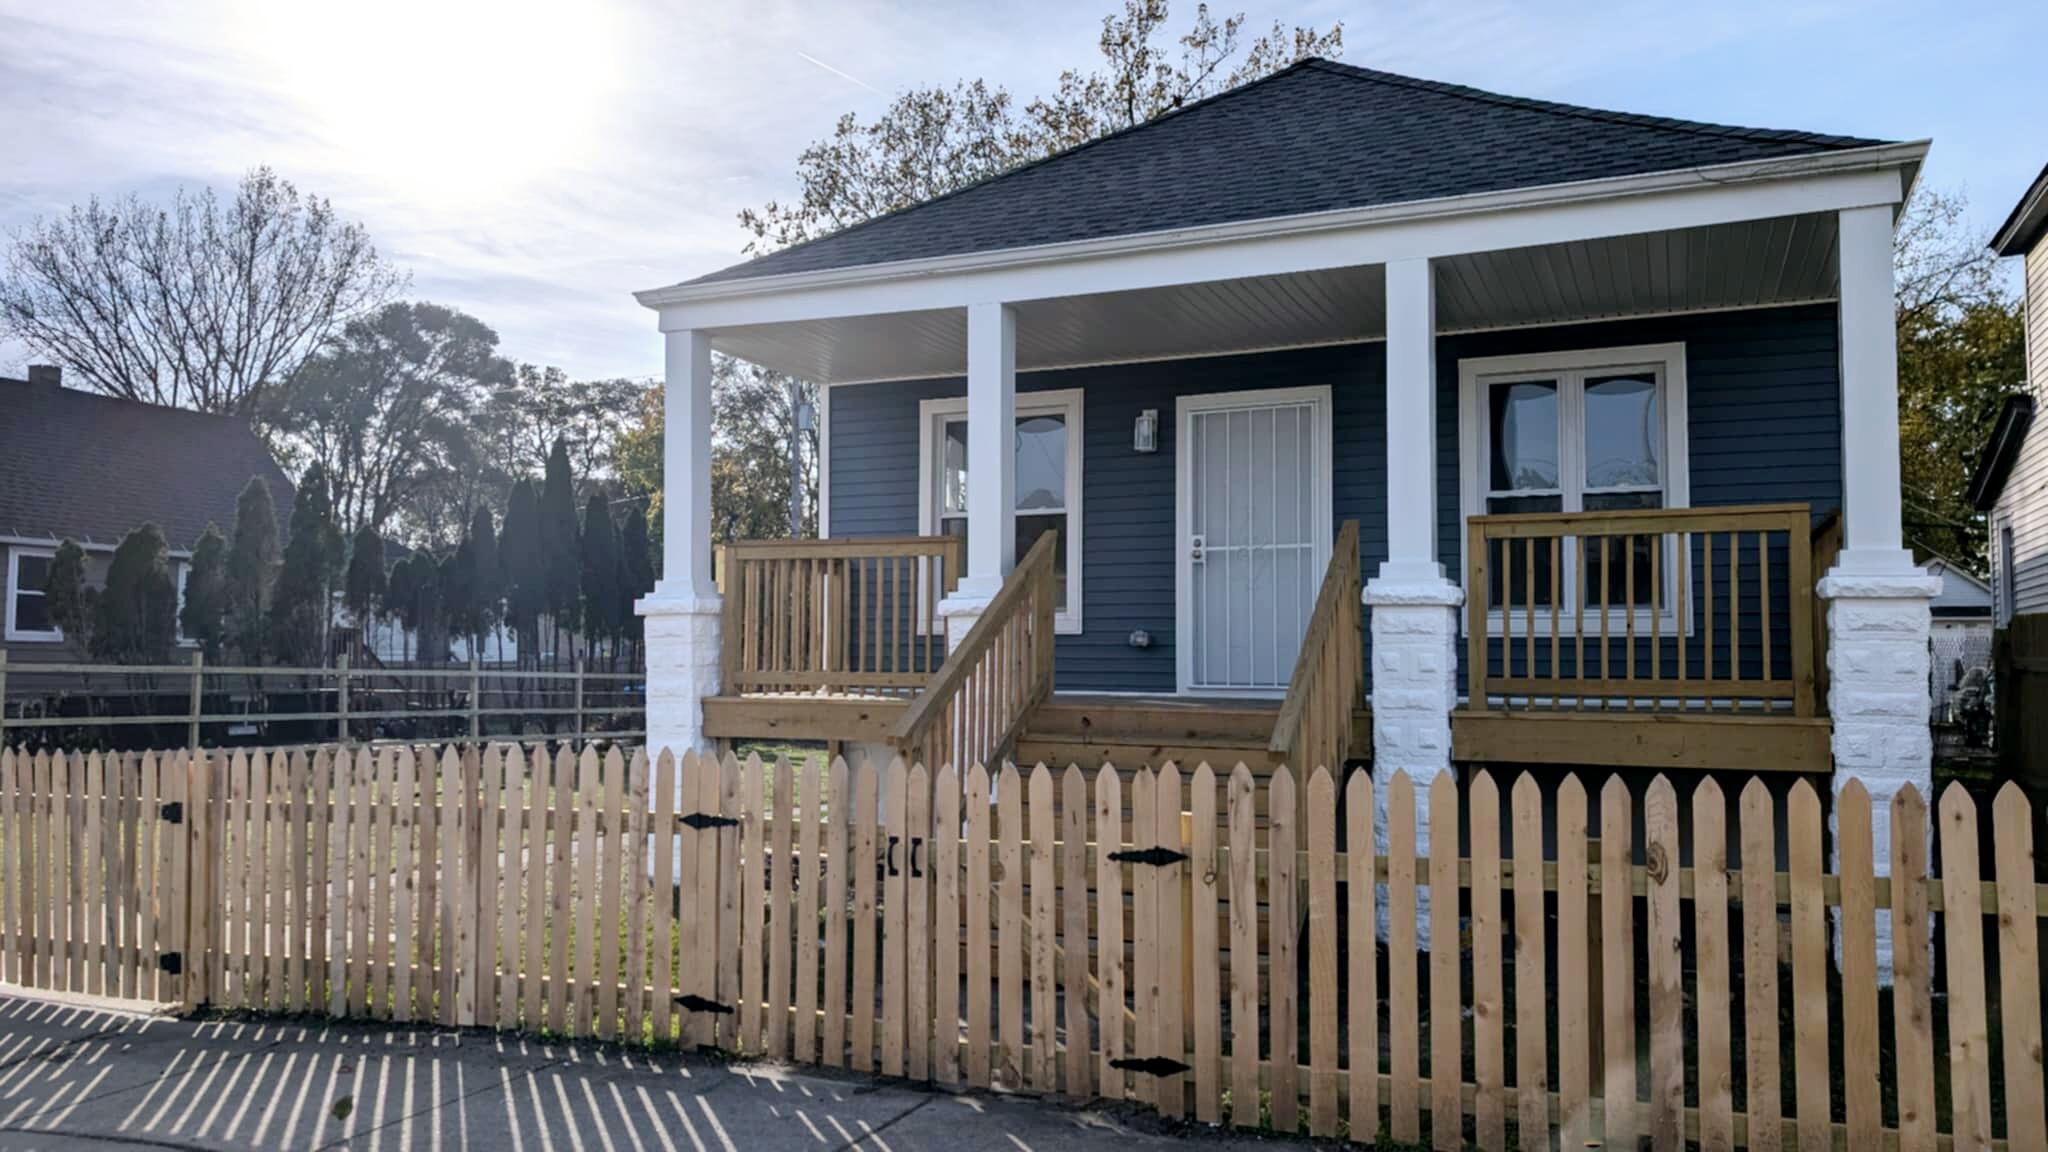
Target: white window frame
x,y
181,569
934,414
15,553
1570,369
2004,581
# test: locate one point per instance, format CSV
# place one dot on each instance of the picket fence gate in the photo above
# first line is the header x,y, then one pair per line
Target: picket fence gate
x,y
1123,936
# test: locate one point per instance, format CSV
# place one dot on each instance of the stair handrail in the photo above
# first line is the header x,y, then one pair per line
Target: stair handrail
x,y
977,702
1314,726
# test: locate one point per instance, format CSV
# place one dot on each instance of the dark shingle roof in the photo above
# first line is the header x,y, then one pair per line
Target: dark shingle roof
x,y
1315,137
90,467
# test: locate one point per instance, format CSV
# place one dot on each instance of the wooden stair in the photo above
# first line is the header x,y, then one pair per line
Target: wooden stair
x,y
1133,732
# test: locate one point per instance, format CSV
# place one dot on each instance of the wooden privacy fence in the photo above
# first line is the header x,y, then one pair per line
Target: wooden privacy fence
x,y
1121,936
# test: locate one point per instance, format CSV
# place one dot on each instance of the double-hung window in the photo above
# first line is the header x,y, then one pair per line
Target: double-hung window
x,y
1048,482
1591,431
28,608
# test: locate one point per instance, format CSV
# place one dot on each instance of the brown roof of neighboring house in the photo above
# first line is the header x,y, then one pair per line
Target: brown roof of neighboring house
x,y
91,468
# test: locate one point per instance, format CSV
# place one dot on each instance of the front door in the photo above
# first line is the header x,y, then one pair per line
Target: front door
x,y
1254,534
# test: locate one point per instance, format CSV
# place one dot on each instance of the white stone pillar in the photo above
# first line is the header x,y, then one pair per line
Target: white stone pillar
x,y
991,466
682,613
1414,608
1877,600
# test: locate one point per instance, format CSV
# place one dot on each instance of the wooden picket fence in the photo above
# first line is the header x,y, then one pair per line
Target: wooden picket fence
x,y
1108,935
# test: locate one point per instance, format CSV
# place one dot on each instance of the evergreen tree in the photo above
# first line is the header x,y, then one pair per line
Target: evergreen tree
x,y
203,619
364,587
559,547
600,575
301,609
459,601
522,578
72,601
138,609
636,564
486,582
252,571
402,599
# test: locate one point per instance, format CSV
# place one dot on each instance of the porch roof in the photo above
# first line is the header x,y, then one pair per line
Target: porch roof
x,y
1316,137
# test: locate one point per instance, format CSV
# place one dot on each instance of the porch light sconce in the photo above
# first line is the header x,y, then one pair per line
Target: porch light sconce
x,y
1145,437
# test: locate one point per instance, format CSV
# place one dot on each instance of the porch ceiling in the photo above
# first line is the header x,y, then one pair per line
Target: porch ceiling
x,y
1747,264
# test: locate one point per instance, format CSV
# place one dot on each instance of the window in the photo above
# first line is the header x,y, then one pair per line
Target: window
x,y
28,611
1577,432
2008,582
1048,481
183,569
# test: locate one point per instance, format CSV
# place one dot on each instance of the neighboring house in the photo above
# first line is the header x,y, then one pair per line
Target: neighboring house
x,y
1961,640
1585,381
2011,480
80,466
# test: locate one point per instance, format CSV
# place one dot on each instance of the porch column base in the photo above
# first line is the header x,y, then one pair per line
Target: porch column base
x,y
961,609
1414,690
683,642
1878,627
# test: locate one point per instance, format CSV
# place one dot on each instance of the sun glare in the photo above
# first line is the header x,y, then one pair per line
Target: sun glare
x,y
442,100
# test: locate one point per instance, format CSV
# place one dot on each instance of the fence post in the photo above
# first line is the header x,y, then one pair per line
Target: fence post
x,y
476,720
194,701
341,697
578,730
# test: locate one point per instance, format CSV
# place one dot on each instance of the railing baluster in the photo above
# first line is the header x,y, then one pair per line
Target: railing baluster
x,y
1656,612
1529,615
1707,606
1683,617
1763,583
1556,610
1606,652
1628,544
1734,610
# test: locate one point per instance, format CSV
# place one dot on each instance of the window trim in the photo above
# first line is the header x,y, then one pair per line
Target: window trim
x,y
1570,368
1064,402
2004,581
15,553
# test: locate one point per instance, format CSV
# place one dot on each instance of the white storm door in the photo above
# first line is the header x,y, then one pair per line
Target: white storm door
x,y
1253,533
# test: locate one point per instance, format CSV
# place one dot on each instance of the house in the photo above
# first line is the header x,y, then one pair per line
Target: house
x,y
81,466
1961,637
2010,483
1344,415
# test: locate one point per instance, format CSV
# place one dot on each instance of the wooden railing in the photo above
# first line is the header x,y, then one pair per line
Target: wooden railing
x,y
1668,609
971,711
1314,726
1827,546
848,616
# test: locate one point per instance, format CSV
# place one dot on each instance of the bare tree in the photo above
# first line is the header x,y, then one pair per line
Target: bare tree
x,y
197,304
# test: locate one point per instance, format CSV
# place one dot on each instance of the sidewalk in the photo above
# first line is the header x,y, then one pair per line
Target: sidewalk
x,y
90,1076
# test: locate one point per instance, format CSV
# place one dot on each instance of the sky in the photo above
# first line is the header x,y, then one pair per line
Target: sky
x,y
534,162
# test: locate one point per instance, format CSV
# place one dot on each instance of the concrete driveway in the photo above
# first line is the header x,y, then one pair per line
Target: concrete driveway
x,y
78,1074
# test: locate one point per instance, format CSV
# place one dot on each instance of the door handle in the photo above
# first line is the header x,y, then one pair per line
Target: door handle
x,y
1197,548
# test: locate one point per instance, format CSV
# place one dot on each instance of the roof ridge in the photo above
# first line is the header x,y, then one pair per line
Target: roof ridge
x,y
68,393
1028,165
1581,111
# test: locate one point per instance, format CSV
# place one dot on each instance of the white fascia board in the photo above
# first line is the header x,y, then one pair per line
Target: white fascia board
x,y
1280,245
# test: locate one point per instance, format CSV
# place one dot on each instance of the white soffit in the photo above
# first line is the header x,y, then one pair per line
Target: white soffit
x,y
1740,265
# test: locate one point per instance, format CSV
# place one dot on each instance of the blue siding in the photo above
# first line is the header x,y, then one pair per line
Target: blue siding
x,y
1127,558
1765,426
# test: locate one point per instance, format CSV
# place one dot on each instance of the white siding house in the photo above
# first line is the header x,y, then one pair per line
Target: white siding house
x,y
2011,483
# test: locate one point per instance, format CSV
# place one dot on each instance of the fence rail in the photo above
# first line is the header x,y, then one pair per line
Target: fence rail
x,y
200,704
1095,935
1673,609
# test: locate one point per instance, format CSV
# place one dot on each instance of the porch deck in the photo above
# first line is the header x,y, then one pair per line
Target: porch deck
x,y
1662,638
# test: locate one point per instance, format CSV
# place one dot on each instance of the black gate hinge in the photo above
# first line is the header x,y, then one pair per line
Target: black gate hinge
x,y
691,1002
1150,1065
702,820
171,962
173,812
1157,857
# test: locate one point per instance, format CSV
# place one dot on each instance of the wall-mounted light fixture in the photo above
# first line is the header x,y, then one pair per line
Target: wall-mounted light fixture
x,y
1145,437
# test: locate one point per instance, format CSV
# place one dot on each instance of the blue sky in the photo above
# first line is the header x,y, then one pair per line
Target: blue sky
x,y
534,162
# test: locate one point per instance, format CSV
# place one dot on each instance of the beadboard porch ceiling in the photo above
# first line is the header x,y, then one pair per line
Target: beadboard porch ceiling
x,y
1787,260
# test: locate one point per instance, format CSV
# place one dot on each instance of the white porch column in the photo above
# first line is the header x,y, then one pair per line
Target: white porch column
x,y
1414,608
991,465
683,610
1877,600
